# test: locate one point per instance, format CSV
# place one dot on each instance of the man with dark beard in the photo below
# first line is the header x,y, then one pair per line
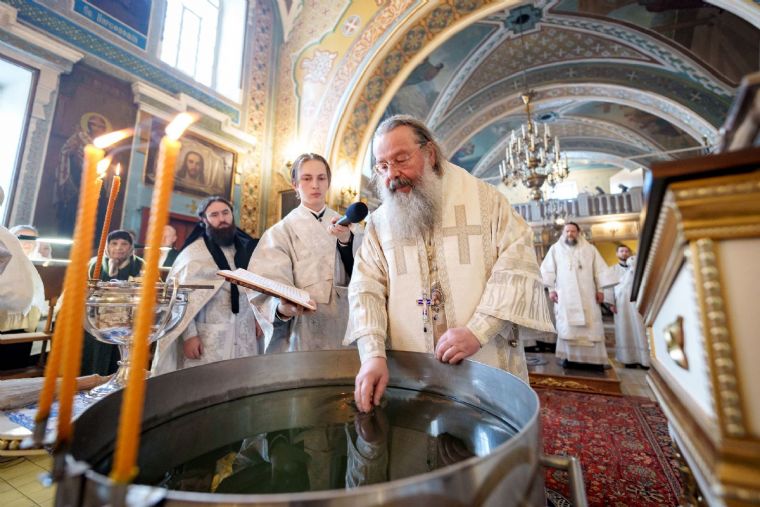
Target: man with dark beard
x,y
576,274
446,266
219,323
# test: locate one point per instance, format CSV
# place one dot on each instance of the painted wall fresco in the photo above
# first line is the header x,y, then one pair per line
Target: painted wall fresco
x,y
90,103
355,126
660,131
707,31
426,82
470,153
327,48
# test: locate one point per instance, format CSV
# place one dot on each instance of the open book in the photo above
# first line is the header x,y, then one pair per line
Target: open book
x,y
259,283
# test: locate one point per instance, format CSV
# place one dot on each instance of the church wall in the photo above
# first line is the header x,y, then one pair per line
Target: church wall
x,y
327,46
109,51
241,128
586,181
608,249
48,59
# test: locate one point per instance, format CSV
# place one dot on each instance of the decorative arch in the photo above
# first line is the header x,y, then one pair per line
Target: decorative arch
x,y
606,130
431,26
417,37
459,126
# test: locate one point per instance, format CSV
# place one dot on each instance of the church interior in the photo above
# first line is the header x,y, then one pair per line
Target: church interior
x,y
632,121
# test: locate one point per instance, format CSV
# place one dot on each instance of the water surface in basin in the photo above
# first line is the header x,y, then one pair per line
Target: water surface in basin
x,y
312,439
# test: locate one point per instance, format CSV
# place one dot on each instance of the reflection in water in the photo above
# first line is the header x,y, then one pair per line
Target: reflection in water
x,y
411,433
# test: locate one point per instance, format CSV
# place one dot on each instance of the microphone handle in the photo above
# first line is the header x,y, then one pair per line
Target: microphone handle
x,y
344,220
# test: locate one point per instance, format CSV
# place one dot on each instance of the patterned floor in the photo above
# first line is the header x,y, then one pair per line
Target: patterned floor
x,y
623,445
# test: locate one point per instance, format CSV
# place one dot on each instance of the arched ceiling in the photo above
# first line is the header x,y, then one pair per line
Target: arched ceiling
x,y
616,80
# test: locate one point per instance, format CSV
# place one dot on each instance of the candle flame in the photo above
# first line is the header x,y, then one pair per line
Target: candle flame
x,y
111,138
178,125
117,171
103,166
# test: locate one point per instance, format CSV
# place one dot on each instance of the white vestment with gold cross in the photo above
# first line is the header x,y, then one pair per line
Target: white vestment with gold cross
x,y
481,257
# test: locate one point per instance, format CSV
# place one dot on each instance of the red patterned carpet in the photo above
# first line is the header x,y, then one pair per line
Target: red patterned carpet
x,y
622,442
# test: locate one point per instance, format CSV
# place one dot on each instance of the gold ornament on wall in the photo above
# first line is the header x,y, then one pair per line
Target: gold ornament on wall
x,y
674,339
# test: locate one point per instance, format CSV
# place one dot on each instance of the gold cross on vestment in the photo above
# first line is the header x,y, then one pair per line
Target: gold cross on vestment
x,y
462,231
398,252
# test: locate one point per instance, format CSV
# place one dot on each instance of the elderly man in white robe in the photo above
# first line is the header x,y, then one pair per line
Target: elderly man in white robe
x,y
575,274
309,250
631,343
446,266
219,323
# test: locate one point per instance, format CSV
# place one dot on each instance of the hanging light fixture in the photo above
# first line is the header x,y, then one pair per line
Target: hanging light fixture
x,y
532,157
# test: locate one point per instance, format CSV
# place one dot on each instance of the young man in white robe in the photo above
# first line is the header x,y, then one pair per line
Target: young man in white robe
x,y
631,343
219,323
307,249
622,252
446,266
575,274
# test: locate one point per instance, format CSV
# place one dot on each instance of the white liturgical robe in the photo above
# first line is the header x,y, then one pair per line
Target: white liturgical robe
x,y
22,295
631,344
299,251
224,335
577,273
480,257
615,271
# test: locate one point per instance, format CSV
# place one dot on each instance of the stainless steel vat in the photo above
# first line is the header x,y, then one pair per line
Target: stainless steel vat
x,y
509,474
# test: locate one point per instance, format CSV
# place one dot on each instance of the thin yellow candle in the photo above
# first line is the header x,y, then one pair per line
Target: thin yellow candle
x,y
89,196
75,283
128,439
115,185
76,291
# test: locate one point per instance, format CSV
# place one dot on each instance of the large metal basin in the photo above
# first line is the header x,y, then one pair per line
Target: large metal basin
x,y
504,472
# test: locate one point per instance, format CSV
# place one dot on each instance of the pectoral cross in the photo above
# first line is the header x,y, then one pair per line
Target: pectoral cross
x,y
424,302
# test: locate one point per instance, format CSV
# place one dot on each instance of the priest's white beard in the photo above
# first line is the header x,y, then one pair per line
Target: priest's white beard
x,y
413,214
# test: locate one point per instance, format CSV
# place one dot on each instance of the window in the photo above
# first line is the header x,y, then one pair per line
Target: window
x,y
205,40
15,89
567,189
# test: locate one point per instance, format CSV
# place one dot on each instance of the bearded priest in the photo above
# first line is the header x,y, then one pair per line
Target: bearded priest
x,y
219,322
446,266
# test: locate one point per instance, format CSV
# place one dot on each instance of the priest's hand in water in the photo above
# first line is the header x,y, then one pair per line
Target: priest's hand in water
x,y
193,347
372,427
371,382
456,344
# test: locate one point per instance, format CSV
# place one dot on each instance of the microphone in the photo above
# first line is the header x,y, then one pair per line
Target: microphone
x,y
355,213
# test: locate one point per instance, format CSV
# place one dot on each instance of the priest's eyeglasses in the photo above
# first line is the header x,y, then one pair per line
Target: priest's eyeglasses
x,y
401,161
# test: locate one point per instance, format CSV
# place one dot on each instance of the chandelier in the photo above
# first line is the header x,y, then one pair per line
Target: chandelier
x,y
533,157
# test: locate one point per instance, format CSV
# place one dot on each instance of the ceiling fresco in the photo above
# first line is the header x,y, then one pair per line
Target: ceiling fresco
x,y
616,80
424,86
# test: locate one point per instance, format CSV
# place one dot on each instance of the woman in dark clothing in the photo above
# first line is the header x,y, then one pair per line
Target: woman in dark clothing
x,y
119,263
